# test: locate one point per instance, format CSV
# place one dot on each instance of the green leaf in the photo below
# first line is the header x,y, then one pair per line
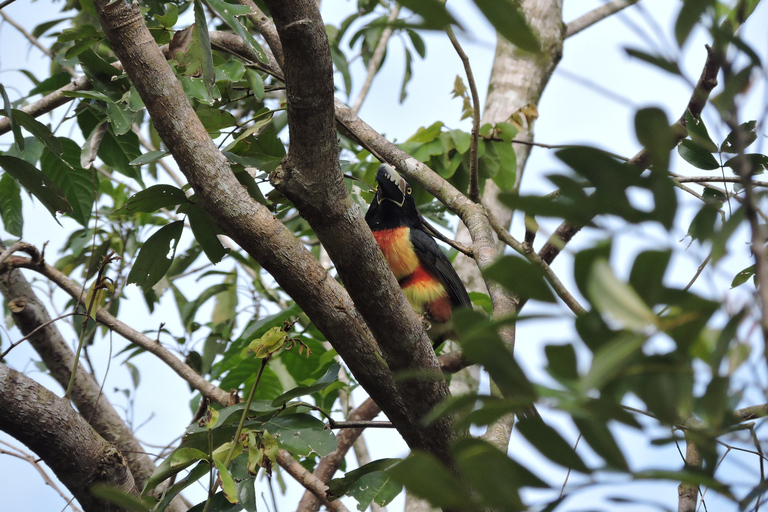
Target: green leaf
x,y
698,133
227,483
149,157
118,151
51,84
617,299
76,183
331,375
156,256
756,163
562,362
653,132
225,302
255,82
417,42
228,13
433,12
407,75
742,277
117,496
38,130
509,21
521,277
505,178
427,478
11,206
120,118
697,156
15,127
494,476
201,30
688,17
647,276
600,438
153,199
610,359
365,490
550,444
747,133
37,183
660,62
205,230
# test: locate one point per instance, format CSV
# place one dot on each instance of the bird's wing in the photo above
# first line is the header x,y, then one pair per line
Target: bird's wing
x,y
433,258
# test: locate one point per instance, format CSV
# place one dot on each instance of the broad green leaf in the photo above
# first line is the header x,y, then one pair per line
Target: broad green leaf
x,y
660,62
494,476
653,132
156,256
440,487
755,163
521,277
647,276
214,119
76,183
331,375
229,13
120,118
743,276
505,178
153,199
697,156
617,299
417,42
509,21
51,84
433,12
149,157
462,140
610,359
201,31
119,497
11,206
378,487
255,82
37,183
118,151
38,130
600,438
205,230
698,133
218,503
688,17
227,483
747,133
562,362
549,443
225,302
42,28
15,127
302,434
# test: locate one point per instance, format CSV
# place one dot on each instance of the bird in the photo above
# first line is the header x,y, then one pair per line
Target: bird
x,y
425,274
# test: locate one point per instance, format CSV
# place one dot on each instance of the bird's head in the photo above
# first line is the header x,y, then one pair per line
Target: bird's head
x,y
393,203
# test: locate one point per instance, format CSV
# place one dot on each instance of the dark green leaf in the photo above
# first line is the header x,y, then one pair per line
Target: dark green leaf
x,y
653,132
660,62
688,17
201,29
117,496
494,476
743,276
508,19
417,42
153,199
76,183
562,362
205,230
600,438
433,12
219,503
647,276
15,127
11,206
42,28
755,163
520,277
229,13
120,118
441,488
37,183
547,441
156,256
331,375
698,133
351,482
697,156
747,133
150,157
38,130
51,83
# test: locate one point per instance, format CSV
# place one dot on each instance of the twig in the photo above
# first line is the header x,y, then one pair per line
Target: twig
x,y
537,260
376,58
39,327
32,39
308,480
716,179
474,185
74,290
597,14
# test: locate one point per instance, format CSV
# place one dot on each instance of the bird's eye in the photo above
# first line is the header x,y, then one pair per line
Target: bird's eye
x,y
409,190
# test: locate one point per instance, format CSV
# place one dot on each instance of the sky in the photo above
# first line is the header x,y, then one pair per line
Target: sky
x,y
575,108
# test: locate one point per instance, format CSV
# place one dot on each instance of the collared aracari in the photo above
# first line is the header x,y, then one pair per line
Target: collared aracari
x,y
425,274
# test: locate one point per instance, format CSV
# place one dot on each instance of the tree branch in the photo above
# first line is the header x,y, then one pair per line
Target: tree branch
x,y
76,454
310,482
598,14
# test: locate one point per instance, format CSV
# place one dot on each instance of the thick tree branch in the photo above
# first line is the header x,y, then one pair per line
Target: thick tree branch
x,y
255,229
595,15
30,315
77,455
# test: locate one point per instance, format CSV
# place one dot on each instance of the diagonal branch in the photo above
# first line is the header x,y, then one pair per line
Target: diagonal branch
x,y
595,15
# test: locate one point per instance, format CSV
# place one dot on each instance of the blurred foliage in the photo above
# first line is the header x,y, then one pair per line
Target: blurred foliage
x,y
242,332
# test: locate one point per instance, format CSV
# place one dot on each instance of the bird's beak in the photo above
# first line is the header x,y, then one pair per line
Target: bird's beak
x,y
392,186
